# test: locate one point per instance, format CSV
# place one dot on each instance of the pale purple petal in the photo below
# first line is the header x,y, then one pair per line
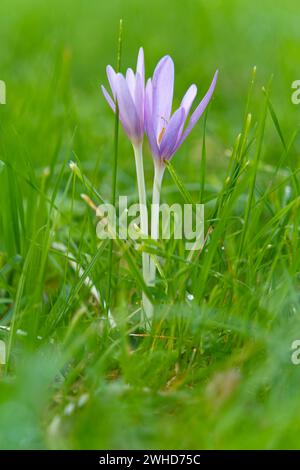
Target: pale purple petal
x,y
149,95
139,102
170,137
188,99
199,110
140,66
108,98
112,79
128,115
163,84
130,79
148,119
186,104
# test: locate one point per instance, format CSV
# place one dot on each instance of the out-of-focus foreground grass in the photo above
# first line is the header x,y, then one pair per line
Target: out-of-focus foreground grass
x,y
215,370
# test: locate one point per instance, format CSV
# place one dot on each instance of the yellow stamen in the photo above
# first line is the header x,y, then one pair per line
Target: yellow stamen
x,y
161,134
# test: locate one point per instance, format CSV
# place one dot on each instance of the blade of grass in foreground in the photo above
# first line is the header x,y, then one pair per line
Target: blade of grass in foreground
x,y
17,303
115,166
184,193
203,159
260,138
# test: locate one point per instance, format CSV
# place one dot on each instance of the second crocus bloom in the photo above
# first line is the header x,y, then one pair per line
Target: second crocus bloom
x,y
167,131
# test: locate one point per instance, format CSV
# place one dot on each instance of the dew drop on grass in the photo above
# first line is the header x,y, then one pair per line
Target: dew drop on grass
x,y
69,408
189,297
83,399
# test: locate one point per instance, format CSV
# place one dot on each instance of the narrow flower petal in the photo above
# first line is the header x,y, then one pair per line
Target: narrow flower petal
x,y
163,84
186,104
199,110
128,115
108,98
170,136
149,120
140,66
130,79
112,79
149,96
188,99
139,102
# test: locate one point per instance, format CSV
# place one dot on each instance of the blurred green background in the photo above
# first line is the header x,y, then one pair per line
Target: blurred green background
x,y
88,390
54,54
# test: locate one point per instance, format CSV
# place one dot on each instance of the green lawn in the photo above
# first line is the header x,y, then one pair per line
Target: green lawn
x,y
215,369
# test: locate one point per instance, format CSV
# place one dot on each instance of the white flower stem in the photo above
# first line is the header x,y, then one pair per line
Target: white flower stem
x,y
138,154
158,176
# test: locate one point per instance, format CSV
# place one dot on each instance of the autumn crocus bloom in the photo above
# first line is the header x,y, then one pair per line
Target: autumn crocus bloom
x,y
167,132
128,96
129,93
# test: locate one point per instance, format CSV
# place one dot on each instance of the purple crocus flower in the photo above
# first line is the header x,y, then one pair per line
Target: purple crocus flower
x,y
128,92
165,132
